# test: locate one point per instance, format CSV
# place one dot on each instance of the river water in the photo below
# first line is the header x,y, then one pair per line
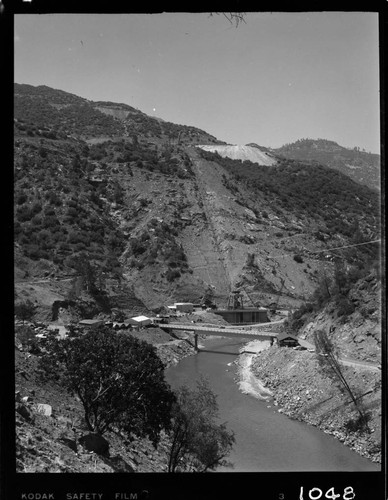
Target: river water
x,y
266,441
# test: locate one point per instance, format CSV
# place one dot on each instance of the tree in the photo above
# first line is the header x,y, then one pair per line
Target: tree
x,y
118,193
82,264
322,293
25,310
208,298
329,362
26,336
197,441
341,281
118,378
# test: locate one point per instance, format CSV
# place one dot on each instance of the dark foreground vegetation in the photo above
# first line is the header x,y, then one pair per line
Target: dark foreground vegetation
x,y
120,383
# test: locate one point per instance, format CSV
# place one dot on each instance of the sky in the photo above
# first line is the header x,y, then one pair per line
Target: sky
x,y
274,79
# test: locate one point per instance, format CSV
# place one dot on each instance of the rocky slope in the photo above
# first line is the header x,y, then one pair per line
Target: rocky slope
x,y
352,320
300,391
358,335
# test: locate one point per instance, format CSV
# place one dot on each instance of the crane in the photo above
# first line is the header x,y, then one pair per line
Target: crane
x,y
249,297
273,309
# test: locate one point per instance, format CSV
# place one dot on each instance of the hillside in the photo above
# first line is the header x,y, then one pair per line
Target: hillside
x,y
359,165
70,116
113,202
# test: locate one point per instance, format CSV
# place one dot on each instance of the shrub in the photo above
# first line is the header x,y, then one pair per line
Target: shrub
x,y
24,310
35,253
23,213
345,307
21,198
172,274
138,247
36,220
26,336
298,258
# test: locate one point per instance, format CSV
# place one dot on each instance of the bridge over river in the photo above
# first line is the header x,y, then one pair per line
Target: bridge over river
x,y
219,331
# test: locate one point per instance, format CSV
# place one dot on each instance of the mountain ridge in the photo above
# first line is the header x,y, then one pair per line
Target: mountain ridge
x,y
359,165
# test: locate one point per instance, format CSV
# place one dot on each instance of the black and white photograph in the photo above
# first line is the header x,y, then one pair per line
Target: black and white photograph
x,y
198,250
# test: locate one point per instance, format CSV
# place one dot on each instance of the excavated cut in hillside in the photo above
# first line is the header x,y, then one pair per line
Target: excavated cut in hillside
x,y
242,153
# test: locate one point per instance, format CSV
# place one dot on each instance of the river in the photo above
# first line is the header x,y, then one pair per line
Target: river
x,y
266,441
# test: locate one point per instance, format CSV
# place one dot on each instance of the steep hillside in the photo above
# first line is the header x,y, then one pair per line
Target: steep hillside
x,y
359,165
121,204
280,223
352,320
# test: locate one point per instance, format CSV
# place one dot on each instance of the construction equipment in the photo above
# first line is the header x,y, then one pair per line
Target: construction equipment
x,y
250,298
235,300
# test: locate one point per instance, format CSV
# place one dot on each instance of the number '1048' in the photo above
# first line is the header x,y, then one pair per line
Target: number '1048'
x,y
316,494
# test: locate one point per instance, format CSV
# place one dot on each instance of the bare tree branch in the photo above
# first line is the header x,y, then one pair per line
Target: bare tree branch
x,y
235,18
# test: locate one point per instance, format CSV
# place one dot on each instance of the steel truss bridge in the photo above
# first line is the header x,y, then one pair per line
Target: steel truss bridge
x,y
219,332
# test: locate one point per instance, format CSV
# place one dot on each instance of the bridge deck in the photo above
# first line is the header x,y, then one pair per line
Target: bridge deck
x,y
221,332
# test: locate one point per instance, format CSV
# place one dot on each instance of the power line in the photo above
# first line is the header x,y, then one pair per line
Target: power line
x,y
330,249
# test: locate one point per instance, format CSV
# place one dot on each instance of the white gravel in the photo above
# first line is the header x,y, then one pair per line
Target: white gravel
x,y
247,382
241,153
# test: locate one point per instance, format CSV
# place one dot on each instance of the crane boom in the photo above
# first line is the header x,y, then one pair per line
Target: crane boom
x,y
277,300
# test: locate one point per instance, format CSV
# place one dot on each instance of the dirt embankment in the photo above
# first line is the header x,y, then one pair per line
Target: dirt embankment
x,y
302,392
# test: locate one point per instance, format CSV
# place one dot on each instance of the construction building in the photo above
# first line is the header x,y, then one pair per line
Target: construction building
x,y
236,313
91,323
287,340
139,321
186,307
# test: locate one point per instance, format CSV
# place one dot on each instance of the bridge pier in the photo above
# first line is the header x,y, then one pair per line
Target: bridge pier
x,y
196,342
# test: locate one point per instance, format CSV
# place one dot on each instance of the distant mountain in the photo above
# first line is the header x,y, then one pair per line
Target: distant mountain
x,y
360,166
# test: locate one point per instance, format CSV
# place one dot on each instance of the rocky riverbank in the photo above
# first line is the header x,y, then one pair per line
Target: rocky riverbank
x,y
173,351
247,382
301,391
